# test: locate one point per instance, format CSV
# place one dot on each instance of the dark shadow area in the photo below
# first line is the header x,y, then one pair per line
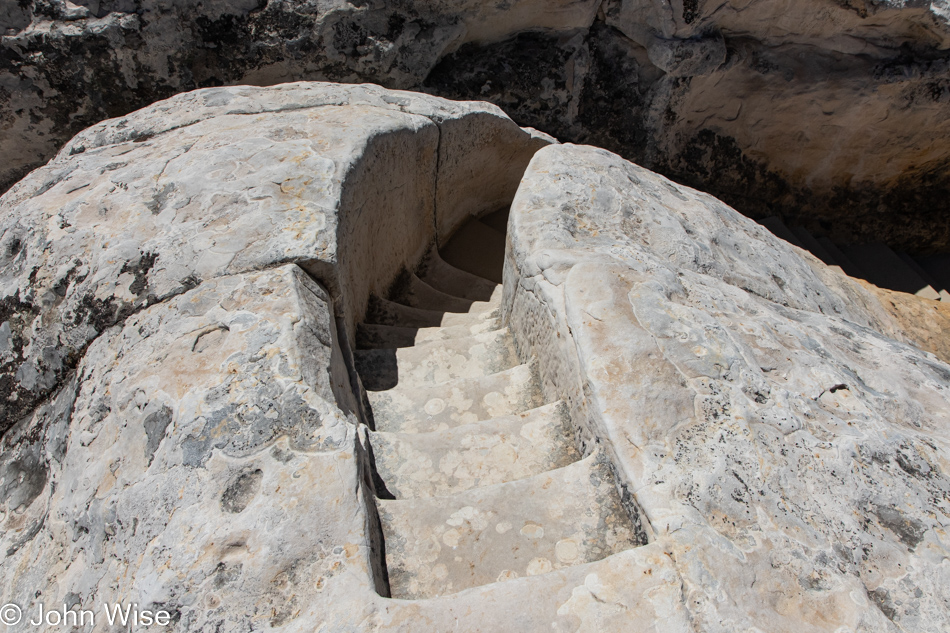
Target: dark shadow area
x,y
467,269
377,369
924,276
479,246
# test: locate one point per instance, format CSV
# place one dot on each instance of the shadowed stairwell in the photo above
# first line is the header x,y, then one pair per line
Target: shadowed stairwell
x,y
477,477
926,276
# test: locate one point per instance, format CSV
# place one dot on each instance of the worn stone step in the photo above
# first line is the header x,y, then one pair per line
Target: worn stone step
x,y
411,291
885,269
420,410
638,590
564,517
373,336
385,312
414,465
436,362
477,312
478,249
814,246
488,323
441,275
842,260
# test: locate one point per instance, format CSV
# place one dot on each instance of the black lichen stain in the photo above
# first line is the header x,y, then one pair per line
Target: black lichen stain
x,y
690,11
241,491
16,400
881,597
909,531
140,269
525,75
155,425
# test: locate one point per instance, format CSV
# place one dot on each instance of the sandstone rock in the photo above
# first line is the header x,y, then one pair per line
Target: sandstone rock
x,y
687,58
831,114
695,425
925,322
221,181
789,457
204,467
847,29
101,59
792,125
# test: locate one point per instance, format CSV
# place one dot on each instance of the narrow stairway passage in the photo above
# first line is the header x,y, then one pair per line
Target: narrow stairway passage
x,y
927,277
481,477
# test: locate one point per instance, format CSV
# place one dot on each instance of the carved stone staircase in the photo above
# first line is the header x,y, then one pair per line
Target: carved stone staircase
x,y
478,478
927,277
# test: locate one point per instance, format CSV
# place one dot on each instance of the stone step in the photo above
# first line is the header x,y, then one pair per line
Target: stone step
x,y
478,312
840,258
638,590
486,323
561,518
440,463
885,269
373,336
421,410
813,246
436,362
384,312
411,291
774,224
451,280
478,249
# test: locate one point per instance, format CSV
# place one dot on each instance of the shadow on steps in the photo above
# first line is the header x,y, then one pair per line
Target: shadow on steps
x,y
453,294
479,246
927,277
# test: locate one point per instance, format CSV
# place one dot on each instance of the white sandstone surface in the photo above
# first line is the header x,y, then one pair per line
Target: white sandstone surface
x,y
221,181
204,467
789,455
184,428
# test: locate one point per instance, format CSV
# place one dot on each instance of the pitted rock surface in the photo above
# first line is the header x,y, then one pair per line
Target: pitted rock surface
x,y
668,419
787,448
218,182
831,114
174,456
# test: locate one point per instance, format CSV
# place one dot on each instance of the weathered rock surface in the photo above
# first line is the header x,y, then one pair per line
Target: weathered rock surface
x,y
788,451
924,322
695,425
831,114
65,66
194,431
221,181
